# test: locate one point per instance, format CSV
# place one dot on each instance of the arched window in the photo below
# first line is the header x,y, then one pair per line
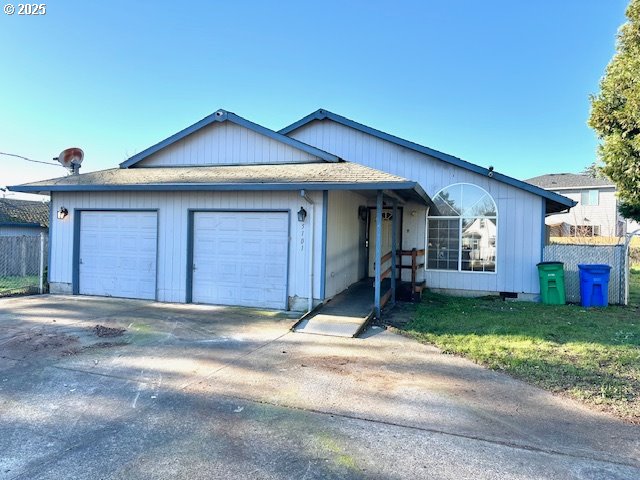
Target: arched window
x,y
462,230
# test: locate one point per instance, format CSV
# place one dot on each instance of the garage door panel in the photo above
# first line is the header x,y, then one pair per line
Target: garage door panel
x,y
226,246
240,258
118,254
109,240
276,227
254,224
251,247
147,244
149,223
109,221
274,271
275,248
225,268
129,242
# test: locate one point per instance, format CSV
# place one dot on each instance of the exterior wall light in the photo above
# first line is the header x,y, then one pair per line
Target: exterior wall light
x,y
62,213
302,214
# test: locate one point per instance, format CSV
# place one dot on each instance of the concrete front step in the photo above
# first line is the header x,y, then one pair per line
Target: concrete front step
x,y
333,325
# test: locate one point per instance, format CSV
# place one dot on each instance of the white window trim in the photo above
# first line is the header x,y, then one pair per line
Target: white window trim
x,y
460,218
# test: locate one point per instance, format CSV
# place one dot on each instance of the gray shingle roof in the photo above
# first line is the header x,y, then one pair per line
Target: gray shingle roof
x,y
343,172
23,212
567,180
310,176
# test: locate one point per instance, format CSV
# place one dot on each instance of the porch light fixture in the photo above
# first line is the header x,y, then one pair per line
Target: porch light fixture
x,y
62,213
302,214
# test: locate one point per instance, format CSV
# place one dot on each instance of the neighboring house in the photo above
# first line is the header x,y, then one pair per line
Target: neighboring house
x,y
230,212
596,213
23,217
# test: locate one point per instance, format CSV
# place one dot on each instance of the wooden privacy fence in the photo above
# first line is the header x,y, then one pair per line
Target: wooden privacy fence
x,y
572,255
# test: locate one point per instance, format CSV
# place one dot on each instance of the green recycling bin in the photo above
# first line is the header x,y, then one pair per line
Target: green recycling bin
x,y
552,283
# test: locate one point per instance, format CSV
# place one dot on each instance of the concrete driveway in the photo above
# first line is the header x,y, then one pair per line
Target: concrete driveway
x,y
206,392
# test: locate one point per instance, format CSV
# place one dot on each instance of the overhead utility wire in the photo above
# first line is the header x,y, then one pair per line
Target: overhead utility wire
x,y
29,159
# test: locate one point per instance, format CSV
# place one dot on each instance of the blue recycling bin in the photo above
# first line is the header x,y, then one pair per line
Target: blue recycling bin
x,y
594,285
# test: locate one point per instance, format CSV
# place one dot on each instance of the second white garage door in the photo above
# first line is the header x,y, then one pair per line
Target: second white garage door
x,y
118,254
241,258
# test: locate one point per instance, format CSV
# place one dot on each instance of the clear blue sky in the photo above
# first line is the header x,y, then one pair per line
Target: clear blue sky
x,y
501,82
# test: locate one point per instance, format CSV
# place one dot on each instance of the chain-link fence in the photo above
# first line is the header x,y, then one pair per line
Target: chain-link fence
x,y
572,255
23,264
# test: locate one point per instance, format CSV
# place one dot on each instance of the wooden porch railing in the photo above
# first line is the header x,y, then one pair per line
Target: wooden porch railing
x,y
415,254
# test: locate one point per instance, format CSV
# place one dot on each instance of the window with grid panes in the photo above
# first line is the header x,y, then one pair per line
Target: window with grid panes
x,y
462,230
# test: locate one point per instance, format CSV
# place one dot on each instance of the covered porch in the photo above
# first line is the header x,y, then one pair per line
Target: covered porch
x,y
384,265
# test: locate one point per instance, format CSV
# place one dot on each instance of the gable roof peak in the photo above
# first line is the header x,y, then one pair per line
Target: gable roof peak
x,y
220,116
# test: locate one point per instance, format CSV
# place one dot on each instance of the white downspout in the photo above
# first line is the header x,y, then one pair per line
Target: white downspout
x,y
312,212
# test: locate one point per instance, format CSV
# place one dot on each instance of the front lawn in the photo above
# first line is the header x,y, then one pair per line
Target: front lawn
x,y
16,285
589,354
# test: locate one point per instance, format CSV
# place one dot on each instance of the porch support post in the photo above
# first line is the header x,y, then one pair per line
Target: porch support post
x,y
394,240
378,268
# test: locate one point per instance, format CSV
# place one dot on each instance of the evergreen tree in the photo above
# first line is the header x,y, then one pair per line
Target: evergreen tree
x,y
615,115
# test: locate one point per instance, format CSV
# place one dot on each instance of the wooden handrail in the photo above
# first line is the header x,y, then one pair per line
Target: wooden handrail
x,y
386,273
385,257
385,298
420,252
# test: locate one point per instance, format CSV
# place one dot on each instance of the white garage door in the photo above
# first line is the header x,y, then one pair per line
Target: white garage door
x,y
118,254
240,258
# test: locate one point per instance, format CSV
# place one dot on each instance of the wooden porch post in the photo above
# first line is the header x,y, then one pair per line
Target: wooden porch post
x,y
394,239
378,268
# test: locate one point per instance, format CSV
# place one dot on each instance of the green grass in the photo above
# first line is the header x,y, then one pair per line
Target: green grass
x,y
15,285
589,354
634,287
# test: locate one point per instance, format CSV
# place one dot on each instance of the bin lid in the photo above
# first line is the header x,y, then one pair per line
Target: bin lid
x,y
594,266
549,263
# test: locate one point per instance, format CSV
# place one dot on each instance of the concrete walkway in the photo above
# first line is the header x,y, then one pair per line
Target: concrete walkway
x,y
206,392
345,315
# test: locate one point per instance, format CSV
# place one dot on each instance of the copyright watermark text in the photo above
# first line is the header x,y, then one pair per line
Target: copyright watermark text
x,y
26,9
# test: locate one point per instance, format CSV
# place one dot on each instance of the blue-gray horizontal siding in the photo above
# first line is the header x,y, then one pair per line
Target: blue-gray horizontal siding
x,y
173,212
226,144
519,212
